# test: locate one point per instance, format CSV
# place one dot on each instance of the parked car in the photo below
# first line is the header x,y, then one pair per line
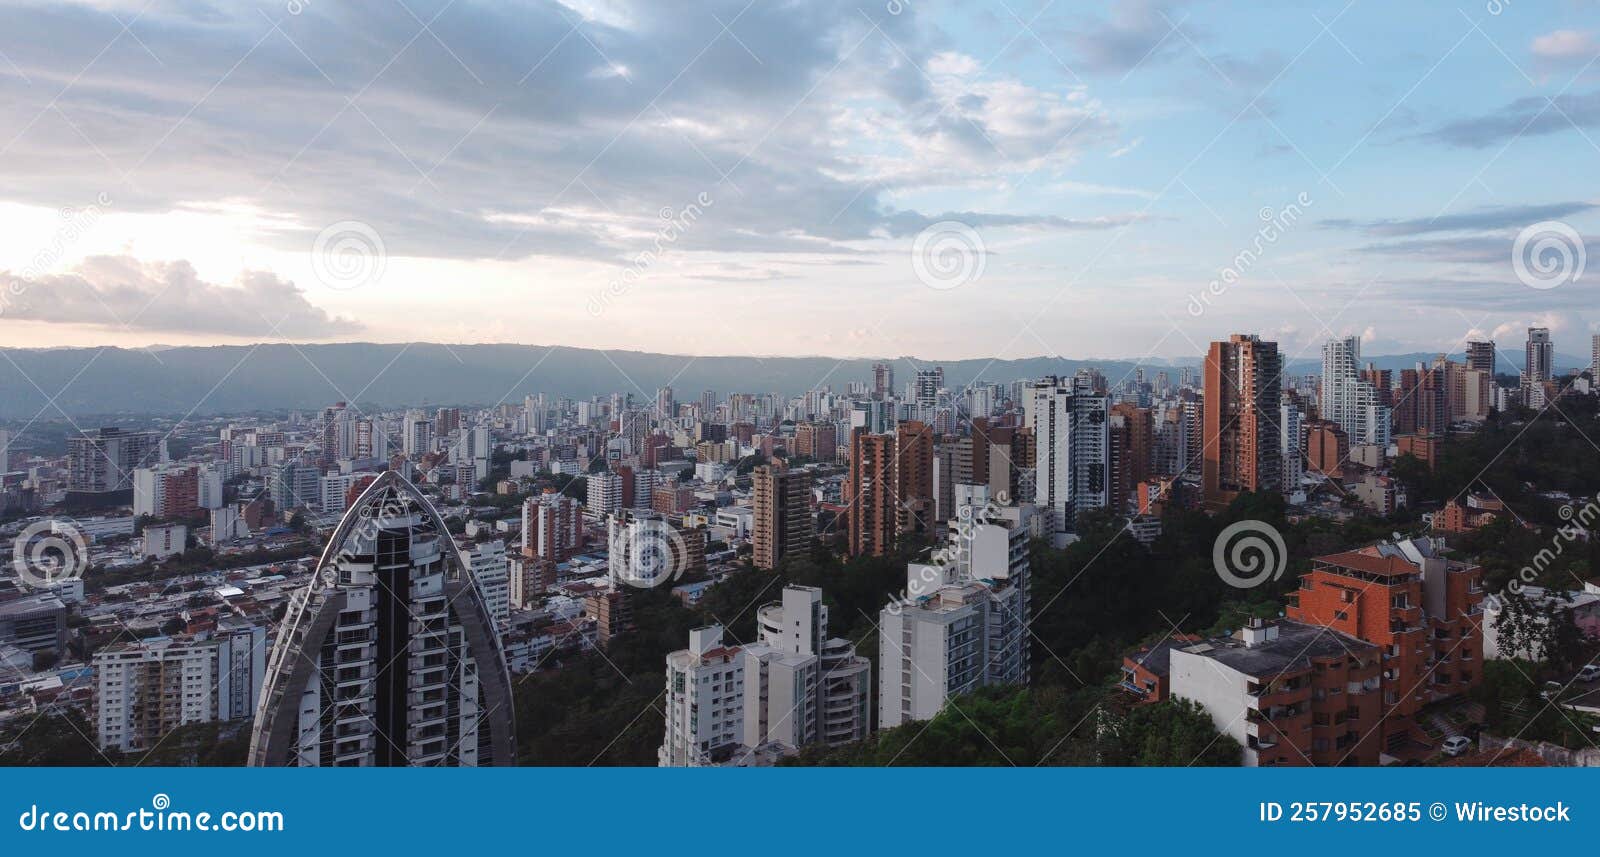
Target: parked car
x,y
1552,689
1456,745
1589,673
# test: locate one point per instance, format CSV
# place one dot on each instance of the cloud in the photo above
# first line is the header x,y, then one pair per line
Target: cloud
x,y
1496,217
1525,117
1565,45
506,131
123,293
910,222
1138,33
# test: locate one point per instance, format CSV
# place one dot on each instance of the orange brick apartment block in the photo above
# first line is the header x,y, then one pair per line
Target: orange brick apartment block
x,y
1422,610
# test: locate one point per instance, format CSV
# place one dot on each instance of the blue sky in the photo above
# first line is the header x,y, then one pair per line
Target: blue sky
x,y
735,177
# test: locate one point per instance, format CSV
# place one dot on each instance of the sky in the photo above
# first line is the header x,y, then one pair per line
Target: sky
x,y
868,178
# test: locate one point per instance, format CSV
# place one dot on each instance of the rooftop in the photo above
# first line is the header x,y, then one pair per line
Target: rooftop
x,y
1292,650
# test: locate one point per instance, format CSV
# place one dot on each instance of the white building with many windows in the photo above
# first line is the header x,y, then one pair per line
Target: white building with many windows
x,y
146,689
962,622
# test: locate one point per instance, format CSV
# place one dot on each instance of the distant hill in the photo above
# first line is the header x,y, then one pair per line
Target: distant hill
x,y
231,379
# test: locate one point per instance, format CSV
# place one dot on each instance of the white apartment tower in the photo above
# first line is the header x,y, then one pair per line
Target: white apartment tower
x,y
704,702
1355,404
389,656
146,689
1070,426
962,623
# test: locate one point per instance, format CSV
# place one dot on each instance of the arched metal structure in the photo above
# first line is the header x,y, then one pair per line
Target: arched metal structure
x,y
389,655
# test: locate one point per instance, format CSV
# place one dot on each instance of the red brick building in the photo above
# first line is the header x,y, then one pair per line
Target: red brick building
x,y
1421,609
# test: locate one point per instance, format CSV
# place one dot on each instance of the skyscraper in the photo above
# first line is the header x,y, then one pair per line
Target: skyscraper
x,y
1480,357
103,461
781,501
1348,398
882,380
1538,368
1241,438
389,656
890,490
1072,467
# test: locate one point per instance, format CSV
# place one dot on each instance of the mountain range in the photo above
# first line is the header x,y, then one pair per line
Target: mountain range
x,y
237,378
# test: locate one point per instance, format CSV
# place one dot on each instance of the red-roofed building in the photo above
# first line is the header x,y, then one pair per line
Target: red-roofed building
x,y
1422,609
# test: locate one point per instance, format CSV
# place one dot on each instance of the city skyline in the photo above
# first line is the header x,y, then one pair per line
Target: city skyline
x,y
1111,182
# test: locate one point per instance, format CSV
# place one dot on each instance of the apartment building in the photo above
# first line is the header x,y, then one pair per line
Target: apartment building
x,y
962,622
781,505
1291,694
1422,610
704,702
146,689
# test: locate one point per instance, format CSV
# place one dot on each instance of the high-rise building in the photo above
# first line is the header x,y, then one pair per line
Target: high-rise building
x,y
644,549
1539,360
1243,395
1416,605
552,530
1132,434
1594,370
1291,443
890,488
389,657
145,689
335,433
781,502
1481,357
166,491
604,494
882,380
103,461
1069,419
487,563
704,702
962,622
417,435
743,705
1349,397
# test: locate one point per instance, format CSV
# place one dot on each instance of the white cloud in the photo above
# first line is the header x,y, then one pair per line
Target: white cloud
x,y
1565,45
121,293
